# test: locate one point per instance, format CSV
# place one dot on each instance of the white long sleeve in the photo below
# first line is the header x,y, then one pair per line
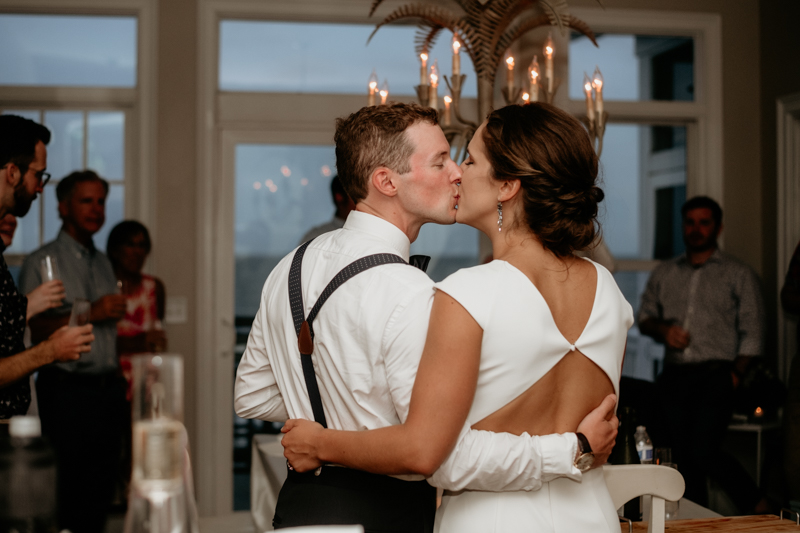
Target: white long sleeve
x,y
499,462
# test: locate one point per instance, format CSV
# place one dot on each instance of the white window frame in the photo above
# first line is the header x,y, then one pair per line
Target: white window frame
x,y
225,118
137,103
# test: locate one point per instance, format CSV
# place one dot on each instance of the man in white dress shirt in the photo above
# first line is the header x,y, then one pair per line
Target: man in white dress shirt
x,y
395,164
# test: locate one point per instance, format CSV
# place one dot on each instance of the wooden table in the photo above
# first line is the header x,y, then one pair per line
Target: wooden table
x,y
740,524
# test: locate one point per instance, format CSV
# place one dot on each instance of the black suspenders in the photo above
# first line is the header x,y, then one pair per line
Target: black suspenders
x,y
303,326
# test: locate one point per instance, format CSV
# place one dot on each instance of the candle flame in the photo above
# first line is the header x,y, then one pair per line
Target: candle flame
x,y
447,99
526,97
759,411
549,49
373,82
456,45
435,74
423,56
510,61
597,79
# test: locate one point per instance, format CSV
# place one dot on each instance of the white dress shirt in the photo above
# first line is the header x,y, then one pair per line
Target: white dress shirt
x,y
368,340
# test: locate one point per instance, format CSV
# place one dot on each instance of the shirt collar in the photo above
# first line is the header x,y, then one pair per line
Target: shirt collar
x,y
716,257
380,228
67,240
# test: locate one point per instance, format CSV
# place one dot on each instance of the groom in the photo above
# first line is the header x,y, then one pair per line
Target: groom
x,y
395,164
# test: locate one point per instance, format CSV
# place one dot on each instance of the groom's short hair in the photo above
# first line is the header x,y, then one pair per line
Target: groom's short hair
x,y
375,137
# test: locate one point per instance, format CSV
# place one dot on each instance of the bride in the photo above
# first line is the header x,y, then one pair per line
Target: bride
x,y
528,343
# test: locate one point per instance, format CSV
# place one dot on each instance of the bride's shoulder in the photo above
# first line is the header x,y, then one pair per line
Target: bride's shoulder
x,y
476,277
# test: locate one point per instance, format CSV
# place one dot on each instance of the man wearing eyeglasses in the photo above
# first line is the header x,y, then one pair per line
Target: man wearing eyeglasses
x,y
23,160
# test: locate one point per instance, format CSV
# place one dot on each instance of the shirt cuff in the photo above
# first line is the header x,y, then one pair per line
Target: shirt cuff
x,y
558,456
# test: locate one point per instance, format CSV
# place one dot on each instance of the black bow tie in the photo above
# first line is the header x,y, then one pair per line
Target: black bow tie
x,y
420,261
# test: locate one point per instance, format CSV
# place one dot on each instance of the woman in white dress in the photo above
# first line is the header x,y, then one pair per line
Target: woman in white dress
x,y
528,343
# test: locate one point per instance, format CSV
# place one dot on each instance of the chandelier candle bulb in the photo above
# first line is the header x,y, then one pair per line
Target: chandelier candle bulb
x,y
510,73
372,88
423,69
526,97
533,72
384,92
549,52
446,120
597,83
587,87
456,57
433,94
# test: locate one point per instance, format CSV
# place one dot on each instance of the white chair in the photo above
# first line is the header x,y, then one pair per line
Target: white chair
x,y
626,482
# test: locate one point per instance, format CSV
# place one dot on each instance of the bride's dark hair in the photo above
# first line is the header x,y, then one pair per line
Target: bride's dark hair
x,y
549,151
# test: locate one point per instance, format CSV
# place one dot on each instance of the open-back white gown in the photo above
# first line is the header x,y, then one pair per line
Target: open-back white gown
x,y
521,343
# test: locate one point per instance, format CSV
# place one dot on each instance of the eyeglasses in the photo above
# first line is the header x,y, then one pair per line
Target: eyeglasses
x,y
43,177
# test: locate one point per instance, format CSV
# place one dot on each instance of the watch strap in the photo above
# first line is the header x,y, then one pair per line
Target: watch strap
x,y
583,443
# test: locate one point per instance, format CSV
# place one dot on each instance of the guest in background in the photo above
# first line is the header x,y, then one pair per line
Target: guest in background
x,y
140,329
46,296
343,205
790,300
23,161
706,308
82,403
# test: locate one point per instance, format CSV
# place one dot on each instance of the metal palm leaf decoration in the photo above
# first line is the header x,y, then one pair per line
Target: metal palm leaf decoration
x,y
486,29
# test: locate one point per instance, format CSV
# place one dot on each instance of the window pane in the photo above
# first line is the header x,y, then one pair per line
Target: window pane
x,y
26,238
450,247
282,191
31,115
65,151
68,50
634,67
326,58
645,186
106,145
115,213
643,356
52,221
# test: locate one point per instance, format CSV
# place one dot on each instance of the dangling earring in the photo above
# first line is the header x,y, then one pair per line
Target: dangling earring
x,y
499,216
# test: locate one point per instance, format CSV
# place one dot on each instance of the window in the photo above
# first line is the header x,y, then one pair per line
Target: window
x,y
67,50
80,140
644,166
637,67
91,61
325,58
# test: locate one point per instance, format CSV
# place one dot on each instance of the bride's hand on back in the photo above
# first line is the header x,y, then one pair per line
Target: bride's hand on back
x,y
300,438
600,428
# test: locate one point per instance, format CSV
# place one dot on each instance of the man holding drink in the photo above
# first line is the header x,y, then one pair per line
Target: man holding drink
x,y
82,403
23,161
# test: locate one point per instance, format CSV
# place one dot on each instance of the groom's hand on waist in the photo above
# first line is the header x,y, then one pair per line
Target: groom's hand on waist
x,y
600,428
300,440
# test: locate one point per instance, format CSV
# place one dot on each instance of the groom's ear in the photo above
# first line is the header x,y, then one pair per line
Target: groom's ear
x,y
508,190
383,179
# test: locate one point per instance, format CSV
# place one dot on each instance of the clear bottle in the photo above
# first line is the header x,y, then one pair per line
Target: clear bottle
x,y
644,447
27,479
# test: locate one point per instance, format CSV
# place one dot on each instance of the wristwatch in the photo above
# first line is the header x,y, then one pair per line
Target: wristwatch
x,y
585,457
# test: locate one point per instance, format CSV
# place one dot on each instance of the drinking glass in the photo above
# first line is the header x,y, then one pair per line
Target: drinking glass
x,y
81,312
671,508
663,455
49,269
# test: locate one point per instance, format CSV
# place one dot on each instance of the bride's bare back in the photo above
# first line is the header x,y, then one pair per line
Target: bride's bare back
x,y
575,385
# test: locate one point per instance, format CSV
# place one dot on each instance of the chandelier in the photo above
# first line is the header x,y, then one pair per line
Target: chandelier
x,y
485,31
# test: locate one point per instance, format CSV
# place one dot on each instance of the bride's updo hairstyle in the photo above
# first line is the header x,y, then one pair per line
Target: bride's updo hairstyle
x,y
549,151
